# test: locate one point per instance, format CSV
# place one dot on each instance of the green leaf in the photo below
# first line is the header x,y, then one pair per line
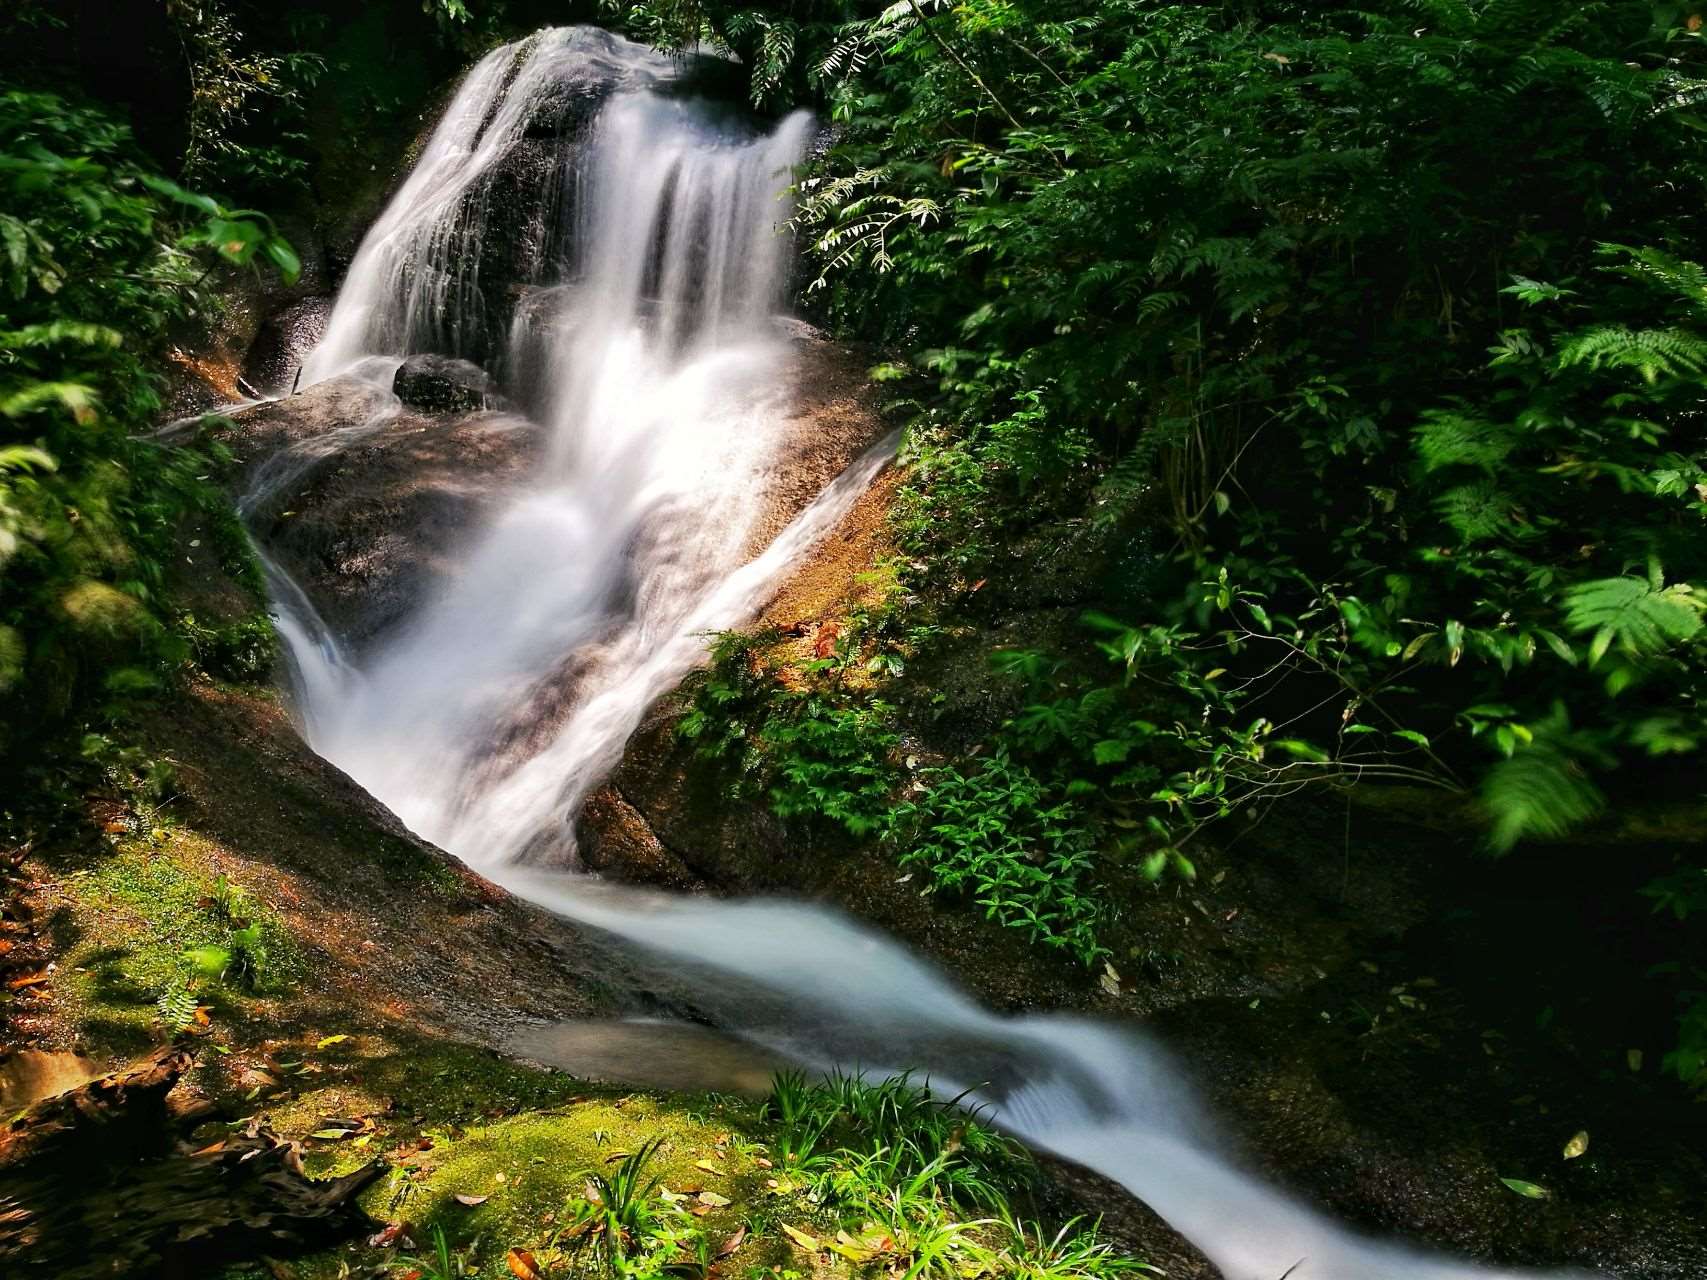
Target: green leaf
x,y
1537,792
283,257
1531,1190
1637,614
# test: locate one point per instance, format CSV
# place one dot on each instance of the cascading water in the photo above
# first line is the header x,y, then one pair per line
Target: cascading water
x,y
644,342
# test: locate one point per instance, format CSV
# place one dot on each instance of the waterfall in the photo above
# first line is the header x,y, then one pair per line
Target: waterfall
x,y
630,313
646,346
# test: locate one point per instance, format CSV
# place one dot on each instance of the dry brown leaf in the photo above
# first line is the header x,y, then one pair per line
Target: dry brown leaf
x,y
29,980
522,1265
733,1242
386,1236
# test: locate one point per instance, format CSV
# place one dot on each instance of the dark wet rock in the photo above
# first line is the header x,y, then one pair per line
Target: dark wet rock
x,y
285,338
364,511
612,836
370,530
442,384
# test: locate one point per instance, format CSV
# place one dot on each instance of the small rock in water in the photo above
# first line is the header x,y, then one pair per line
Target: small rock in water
x,y
442,384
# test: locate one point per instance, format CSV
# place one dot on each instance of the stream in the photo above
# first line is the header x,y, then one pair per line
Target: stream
x,y
642,340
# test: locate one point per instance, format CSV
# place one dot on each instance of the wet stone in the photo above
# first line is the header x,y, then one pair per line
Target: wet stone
x,y
442,384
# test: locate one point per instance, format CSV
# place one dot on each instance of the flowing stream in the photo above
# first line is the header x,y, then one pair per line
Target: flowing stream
x,y
644,344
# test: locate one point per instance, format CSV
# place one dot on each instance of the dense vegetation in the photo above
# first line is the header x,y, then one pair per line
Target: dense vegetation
x,y
1363,354
1341,369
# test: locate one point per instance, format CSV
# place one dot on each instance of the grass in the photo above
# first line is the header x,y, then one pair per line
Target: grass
x,y
509,1167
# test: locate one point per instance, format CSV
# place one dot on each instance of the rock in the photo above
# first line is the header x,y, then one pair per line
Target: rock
x,y
443,384
98,1184
611,836
369,531
283,343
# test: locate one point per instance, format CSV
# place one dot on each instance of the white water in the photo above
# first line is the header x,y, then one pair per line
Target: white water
x,y
649,353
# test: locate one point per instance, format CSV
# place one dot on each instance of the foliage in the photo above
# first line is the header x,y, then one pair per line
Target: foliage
x,y
897,1171
246,108
620,1219
995,834
818,753
1381,329
100,257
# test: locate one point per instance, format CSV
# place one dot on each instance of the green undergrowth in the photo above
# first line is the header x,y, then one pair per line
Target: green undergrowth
x,y
156,934
495,1167
1002,828
1339,369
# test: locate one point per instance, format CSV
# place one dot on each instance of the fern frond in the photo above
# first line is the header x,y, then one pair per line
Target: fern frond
x,y
1538,792
1446,438
1475,511
1651,352
1639,615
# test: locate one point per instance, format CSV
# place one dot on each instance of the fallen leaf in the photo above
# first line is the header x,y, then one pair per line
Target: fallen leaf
x,y
712,1199
386,1237
1577,1145
614,1156
28,980
1530,1189
329,1041
210,1149
333,1135
733,1242
699,1210
522,1265
471,1201
809,1243
708,1167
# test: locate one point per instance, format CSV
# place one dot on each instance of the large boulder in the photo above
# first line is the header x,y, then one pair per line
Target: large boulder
x,y
443,384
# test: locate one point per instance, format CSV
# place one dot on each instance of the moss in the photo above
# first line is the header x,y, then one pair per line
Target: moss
x,y
456,1120
137,915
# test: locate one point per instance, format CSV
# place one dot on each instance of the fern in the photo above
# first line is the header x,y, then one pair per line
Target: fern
x,y
1652,352
1539,792
1639,615
1476,511
175,1008
1449,438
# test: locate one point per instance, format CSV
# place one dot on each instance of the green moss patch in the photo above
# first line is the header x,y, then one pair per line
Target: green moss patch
x,y
153,918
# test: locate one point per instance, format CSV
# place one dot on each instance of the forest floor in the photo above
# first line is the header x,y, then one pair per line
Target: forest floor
x,y
364,1022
